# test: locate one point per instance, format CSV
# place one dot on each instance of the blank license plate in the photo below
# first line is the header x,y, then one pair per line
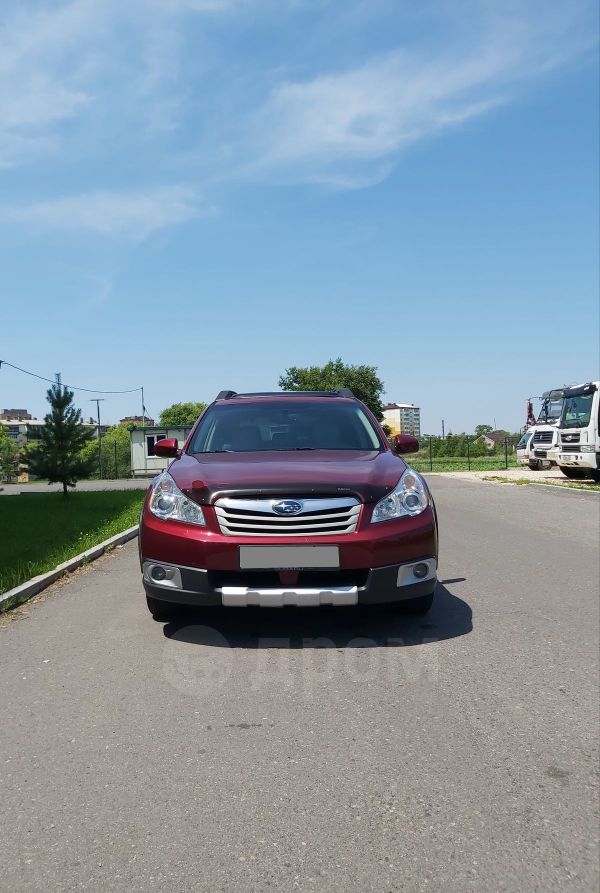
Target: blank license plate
x,y
288,557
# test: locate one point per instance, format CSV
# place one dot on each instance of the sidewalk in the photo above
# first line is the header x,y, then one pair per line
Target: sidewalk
x,y
522,472
122,484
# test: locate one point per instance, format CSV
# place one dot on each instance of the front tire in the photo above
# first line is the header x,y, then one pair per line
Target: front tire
x,y
574,473
534,464
595,473
161,611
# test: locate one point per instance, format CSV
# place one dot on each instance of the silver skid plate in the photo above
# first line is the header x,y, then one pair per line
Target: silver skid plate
x,y
246,596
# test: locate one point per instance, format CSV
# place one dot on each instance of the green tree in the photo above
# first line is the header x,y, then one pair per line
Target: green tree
x,y
362,380
9,456
116,443
478,448
57,456
181,414
482,429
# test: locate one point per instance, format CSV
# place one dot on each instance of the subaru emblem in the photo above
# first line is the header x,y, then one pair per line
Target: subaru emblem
x,y
287,507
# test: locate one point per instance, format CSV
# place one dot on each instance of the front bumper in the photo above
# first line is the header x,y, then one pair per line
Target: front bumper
x,y
580,460
380,585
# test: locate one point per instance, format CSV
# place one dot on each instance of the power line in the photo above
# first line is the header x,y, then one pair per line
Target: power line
x,y
71,387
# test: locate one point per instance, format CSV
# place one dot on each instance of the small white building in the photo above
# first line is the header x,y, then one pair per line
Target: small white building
x,y
402,418
144,461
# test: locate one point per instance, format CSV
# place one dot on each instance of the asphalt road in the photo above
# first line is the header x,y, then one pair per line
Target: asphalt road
x,y
321,750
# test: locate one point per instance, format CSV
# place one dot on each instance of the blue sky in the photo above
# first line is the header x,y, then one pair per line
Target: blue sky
x,y
200,193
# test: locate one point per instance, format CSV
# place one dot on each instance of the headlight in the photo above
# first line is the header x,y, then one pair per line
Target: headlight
x,y
168,502
409,498
587,448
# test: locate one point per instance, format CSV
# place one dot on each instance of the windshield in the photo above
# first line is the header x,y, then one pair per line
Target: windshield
x,y
523,441
577,411
550,411
284,425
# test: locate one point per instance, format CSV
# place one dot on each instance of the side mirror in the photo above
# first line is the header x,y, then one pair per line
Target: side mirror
x,y
168,448
405,443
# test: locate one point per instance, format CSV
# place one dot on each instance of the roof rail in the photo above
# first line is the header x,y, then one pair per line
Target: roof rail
x,y
340,392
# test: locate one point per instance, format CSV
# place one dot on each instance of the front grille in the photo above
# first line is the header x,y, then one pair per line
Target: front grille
x,y
318,517
543,436
569,438
570,447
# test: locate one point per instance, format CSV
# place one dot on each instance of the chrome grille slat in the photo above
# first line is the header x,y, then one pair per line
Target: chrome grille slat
x,y
285,519
319,517
344,522
287,533
297,528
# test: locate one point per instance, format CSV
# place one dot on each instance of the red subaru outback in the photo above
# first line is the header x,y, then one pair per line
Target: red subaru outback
x,y
288,499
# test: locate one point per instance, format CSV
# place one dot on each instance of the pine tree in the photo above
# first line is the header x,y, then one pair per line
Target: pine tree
x,y
57,455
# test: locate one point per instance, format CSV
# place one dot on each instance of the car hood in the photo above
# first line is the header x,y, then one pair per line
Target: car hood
x,y
368,476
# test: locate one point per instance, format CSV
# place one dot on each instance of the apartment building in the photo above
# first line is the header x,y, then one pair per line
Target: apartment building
x,y
402,418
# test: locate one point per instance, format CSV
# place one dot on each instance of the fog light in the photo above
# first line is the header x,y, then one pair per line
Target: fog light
x,y
420,570
158,572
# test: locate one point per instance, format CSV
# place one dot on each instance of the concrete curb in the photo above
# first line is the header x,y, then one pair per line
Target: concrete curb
x,y
27,590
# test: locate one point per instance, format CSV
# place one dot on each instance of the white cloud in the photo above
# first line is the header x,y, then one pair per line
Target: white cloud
x,y
94,81
346,129
60,61
128,215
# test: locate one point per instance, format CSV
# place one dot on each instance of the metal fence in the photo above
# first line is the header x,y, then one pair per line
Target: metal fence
x,y
465,456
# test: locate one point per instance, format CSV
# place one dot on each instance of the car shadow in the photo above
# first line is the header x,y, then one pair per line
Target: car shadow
x,y
377,626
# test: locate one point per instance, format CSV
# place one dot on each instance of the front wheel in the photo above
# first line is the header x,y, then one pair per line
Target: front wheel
x,y
595,473
574,473
534,464
161,611
419,605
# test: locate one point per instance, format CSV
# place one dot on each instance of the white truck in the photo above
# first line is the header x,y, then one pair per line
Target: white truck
x,y
543,446
579,432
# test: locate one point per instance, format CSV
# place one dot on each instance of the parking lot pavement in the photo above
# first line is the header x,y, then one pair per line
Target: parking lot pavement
x,y
325,750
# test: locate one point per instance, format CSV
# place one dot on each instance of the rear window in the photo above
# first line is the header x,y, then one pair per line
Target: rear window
x,y
284,425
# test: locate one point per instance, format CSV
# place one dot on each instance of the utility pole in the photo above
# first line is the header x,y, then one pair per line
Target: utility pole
x,y
143,410
98,401
443,435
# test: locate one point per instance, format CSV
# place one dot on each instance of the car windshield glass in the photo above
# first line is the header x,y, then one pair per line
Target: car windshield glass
x,y
577,411
284,425
523,441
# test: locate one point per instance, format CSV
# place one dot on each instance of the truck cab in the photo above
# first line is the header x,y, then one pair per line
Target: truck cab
x,y
523,448
543,447
579,432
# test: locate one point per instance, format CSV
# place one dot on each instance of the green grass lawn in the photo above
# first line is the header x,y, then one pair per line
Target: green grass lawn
x,y
41,530
420,462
